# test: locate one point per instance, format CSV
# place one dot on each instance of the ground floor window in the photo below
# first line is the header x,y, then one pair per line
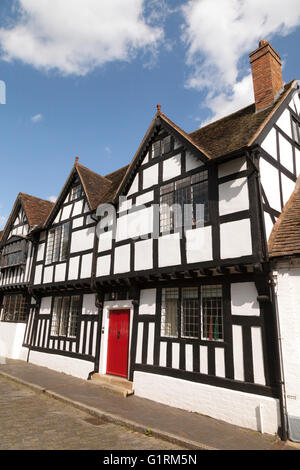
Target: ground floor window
x,y
14,308
65,314
193,312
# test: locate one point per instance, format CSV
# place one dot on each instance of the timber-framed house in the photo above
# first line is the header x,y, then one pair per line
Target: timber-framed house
x,y
179,303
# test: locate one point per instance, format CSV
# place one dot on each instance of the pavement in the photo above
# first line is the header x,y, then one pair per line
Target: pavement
x,y
189,430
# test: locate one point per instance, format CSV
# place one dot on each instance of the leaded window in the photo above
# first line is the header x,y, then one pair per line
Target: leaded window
x,y
161,147
14,254
75,191
58,242
65,316
212,313
14,308
184,203
193,312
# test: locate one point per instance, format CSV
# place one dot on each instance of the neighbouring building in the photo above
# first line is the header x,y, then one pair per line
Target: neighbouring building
x,y
181,303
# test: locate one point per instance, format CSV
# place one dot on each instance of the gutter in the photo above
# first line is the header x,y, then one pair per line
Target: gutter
x,y
282,392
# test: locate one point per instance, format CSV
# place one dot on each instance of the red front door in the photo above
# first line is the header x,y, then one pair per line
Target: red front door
x,y
118,340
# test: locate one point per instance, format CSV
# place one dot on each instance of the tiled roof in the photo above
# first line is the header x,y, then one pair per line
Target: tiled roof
x,y
95,186
237,130
36,209
285,236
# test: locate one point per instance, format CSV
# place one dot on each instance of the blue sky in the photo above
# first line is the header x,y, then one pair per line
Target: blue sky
x,y
83,77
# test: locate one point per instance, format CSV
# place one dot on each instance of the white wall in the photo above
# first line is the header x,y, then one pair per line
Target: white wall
x,y
67,365
11,339
216,402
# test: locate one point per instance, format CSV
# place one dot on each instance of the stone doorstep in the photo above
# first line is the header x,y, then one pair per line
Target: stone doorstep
x,y
113,383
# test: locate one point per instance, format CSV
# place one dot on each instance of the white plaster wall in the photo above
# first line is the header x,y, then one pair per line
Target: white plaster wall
x,y
211,401
103,265
192,162
236,239
199,244
86,266
48,274
144,198
38,274
244,299
78,206
150,176
288,295
105,241
67,365
11,340
233,196
233,166
270,181
143,255
269,144
135,224
78,222
288,187
135,185
60,272
82,240
268,224
66,211
284,122
238,355
169,250
286,153
122,259
73,267
172,167
40,252
147,304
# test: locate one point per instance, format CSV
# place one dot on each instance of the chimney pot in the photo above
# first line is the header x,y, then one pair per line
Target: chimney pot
x,y
266,75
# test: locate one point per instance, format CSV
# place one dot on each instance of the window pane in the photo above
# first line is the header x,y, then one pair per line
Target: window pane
x,y
169,313
212,313
74,313
64,242
64,317
166,144
14,308
56,316
190,313
156,149
166,212
57,241
50,244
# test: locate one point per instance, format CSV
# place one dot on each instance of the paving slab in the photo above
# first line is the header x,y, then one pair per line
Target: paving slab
x,y
191,430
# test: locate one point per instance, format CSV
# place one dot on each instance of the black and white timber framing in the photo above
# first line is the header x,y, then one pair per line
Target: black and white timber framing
x,y
129,265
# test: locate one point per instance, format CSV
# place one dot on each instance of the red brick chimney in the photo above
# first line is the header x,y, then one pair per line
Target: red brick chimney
x,y
266,75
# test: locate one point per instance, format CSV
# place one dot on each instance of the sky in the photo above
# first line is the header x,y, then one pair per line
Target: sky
x,y
83,77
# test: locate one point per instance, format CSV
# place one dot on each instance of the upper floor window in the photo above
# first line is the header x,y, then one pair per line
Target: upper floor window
x,y
75,192
58,242
14,308
296,131
184,202
161,147
193,312
14,253
65,316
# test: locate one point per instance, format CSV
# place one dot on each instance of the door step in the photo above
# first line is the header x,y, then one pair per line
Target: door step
x,y
113,383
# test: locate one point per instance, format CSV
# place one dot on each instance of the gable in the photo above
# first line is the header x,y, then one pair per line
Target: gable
x,y
163,155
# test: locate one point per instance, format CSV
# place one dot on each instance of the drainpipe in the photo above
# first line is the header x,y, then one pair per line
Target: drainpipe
x,y
282,392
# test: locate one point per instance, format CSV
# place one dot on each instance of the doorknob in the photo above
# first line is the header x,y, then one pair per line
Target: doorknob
x,y
118,336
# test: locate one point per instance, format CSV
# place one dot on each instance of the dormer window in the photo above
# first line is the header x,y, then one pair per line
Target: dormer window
x,y
161,147
75,192
14,253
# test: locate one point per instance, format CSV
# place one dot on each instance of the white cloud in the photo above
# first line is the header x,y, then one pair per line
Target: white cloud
x,y
36,118
52,198
219,35
75,36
